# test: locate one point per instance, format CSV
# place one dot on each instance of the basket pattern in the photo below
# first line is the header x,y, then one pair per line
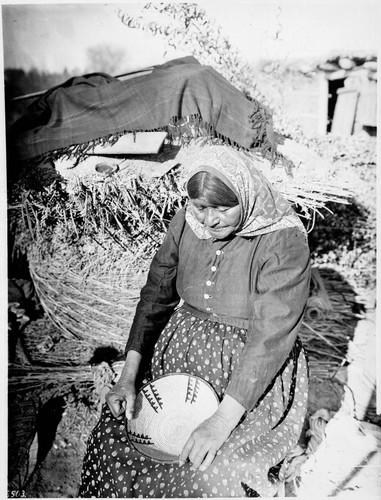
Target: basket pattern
x,y
168,409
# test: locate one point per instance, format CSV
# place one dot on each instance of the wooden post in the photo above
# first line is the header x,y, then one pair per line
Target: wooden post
x,y
345,111
323,105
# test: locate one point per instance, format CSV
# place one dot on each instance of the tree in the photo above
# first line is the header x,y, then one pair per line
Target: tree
x,y
186,26
105,59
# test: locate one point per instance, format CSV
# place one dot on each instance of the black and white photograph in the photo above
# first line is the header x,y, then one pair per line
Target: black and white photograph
x,y
190,266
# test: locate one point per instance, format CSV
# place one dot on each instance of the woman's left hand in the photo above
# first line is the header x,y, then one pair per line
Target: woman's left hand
x,y
204,442
208,437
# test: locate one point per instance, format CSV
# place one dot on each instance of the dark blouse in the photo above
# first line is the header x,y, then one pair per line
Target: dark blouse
x,y
260,284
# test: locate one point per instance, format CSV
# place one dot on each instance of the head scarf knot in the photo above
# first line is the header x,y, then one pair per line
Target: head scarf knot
x,y
263,208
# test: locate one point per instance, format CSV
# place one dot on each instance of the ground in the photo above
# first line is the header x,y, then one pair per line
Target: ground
x,y
59,474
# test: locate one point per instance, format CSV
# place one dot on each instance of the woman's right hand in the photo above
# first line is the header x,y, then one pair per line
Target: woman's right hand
x,y
122,398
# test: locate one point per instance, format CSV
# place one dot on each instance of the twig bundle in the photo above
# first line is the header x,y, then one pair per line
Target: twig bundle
x,y
60,379
326,334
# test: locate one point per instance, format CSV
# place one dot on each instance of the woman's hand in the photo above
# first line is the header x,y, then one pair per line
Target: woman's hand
x,y
204,442
122,398
208,437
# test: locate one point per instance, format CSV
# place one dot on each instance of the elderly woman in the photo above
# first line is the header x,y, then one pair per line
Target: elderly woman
x,y
238,258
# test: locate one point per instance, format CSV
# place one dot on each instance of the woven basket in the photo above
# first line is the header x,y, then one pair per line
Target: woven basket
x,y
86,308
168,409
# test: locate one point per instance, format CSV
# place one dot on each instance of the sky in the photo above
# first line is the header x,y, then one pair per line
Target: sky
x,y
56,36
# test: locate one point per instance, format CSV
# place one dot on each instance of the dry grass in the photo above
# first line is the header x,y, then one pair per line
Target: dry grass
x,y
327,333
58,379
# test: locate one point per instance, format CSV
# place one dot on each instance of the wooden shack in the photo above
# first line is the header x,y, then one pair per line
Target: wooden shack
x,y
338,96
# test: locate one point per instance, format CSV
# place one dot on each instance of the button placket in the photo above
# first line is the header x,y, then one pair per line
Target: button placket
x,y
209,283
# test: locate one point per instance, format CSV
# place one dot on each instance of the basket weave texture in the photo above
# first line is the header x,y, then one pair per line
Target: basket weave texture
x,y
167,410
91,310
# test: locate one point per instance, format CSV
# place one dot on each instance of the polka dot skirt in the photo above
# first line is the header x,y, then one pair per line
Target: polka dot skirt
x,y
113,469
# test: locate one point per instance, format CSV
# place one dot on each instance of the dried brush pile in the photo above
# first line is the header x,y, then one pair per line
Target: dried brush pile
x,y
329,324
346,238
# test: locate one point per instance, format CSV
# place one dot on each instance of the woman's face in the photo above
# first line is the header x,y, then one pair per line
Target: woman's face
x,y
220,221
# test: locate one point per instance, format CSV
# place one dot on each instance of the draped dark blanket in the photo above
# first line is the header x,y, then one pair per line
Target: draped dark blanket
x,y
97,107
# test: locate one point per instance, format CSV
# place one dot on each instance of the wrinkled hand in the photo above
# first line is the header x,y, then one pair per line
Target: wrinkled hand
x,y
122,398
205,441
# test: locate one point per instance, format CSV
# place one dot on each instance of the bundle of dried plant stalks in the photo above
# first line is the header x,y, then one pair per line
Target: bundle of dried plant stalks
x,y
328,329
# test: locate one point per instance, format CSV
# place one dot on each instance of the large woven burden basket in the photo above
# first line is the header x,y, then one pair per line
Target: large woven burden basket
x,y
89,242
90,308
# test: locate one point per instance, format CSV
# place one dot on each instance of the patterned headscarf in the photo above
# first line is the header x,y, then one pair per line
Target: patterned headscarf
x,y
263,208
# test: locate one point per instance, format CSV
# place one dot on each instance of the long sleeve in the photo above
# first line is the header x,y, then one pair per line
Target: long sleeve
x,y
158,297
278,299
